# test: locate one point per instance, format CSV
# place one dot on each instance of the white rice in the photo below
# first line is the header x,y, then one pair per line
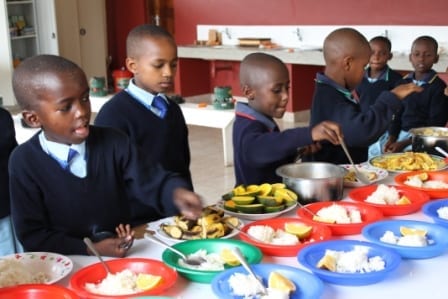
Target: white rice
x,y
213,261
408,240
415,181
267,234
247,287
120,283
13,272
356,261
384,195
339,214
443,212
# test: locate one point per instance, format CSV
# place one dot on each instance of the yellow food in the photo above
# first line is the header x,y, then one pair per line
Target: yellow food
x,y
229,258
147,281
403,201
320,219
327,262
280,282
408,161
423,176
265,189
351,176
300,230
407,231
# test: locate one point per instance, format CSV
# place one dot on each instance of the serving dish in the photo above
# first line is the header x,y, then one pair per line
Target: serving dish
x,y
368,214
379,174
416,198
319,233
407,161
54,266
262,216
310,256
37,291
95,273
436,235
252,254
401,178
307,285
430,210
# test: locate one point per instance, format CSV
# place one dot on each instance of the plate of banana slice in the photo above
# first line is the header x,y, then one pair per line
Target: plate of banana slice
x,y
374,174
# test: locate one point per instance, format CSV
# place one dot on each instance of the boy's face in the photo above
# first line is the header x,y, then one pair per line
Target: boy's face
x,y
423,56
380,55
63,108
271,92
154,70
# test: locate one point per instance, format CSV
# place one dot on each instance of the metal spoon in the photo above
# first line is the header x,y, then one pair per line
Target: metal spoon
x,y
246,266
191,260
440,150
92,248
359,174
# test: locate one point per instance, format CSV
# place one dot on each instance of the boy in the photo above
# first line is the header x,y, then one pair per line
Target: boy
x,y
378,76
259,147
161,136
346,53
428,108
57,201
8,244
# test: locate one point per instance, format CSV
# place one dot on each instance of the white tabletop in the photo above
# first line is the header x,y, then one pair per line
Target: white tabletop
x,y
413,278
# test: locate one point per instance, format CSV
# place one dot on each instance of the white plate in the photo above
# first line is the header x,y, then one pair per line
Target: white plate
x,y
381,174
155,226
258,216
54,265
439,160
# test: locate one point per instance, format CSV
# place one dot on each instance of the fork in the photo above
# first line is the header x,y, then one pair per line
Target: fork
x,y
359,175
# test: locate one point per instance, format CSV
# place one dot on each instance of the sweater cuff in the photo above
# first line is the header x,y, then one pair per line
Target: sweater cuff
x,y
174,182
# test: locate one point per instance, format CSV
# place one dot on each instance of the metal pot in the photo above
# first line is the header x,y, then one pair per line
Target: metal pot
x,y
425,139
314,181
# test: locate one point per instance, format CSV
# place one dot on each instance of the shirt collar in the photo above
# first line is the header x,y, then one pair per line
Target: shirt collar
x,y
244,110
428,78
141,95
383,76
322,79
59,150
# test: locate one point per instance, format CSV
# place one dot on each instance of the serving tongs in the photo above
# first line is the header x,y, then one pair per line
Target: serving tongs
x,y
359,174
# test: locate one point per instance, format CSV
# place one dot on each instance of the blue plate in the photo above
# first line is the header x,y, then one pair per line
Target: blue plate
x,y
430,209
310,256
436,234
307,285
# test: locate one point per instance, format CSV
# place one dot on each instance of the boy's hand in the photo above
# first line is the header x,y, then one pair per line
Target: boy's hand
x,y
126,234
327,130
189,203
110,247
403,90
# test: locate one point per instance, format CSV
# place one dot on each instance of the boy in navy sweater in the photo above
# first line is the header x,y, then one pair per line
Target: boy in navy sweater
x,y
378,76
8,244
161,136
428,108
259,146
57,201
346,53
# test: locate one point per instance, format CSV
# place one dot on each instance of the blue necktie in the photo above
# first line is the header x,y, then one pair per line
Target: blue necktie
x,y
160,104
71,154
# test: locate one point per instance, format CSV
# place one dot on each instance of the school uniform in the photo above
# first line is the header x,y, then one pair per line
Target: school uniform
x,y
336,103
161,140
54,209
260,148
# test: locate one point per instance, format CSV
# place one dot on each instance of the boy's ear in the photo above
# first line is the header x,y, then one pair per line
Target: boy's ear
x,y
131,64
390,56
248,92
31,119
347,62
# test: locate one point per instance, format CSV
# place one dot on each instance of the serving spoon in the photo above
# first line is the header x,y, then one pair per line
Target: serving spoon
x,y
359,174
189,260
237,252
89,244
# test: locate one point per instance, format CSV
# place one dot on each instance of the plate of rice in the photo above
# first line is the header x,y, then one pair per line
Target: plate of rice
x,y
349,262
391,200
437,210
374,174
33,268
433,183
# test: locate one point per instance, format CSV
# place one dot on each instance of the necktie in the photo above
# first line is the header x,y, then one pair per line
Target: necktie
x,y
71,154
160,104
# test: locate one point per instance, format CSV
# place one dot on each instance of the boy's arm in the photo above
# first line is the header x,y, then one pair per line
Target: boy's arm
x,y
438,108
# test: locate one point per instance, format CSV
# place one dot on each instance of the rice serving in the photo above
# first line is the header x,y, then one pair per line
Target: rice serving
x,y
443,212
247,287
384,195
13,273
213,261
340,214
120,283
408,240
356,261
267,234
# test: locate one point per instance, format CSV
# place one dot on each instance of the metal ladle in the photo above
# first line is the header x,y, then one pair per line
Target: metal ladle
x,y
359,174
92,248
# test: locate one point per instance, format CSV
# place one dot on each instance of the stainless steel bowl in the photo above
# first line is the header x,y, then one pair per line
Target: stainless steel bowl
x,y
425,139
314,181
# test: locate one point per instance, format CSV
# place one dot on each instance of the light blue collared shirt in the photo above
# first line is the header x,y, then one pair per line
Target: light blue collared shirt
x,y
143,97
59,152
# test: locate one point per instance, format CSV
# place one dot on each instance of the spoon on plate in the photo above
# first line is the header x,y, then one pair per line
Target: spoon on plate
x,y
443,152
237,252
189,260
359,174
89,244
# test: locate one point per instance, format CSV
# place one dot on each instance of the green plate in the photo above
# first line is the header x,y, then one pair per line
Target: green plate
x,y
253,256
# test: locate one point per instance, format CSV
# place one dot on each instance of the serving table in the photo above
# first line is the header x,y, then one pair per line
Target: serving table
x,y
413,278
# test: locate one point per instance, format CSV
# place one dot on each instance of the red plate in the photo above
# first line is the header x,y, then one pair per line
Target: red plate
x,y
432,175
37,291
320,233
369,214
95,273
417,199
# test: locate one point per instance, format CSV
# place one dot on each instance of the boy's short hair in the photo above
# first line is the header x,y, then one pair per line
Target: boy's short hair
x,y
384,40
29,77
254,61
137,34
427,38
343,41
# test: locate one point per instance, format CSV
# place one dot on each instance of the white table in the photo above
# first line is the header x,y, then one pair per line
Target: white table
x,y
413,279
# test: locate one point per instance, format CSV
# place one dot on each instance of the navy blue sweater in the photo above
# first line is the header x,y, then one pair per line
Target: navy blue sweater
x,y
360,128
260,148
423,109
53,209
7,144
163,141
368,92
